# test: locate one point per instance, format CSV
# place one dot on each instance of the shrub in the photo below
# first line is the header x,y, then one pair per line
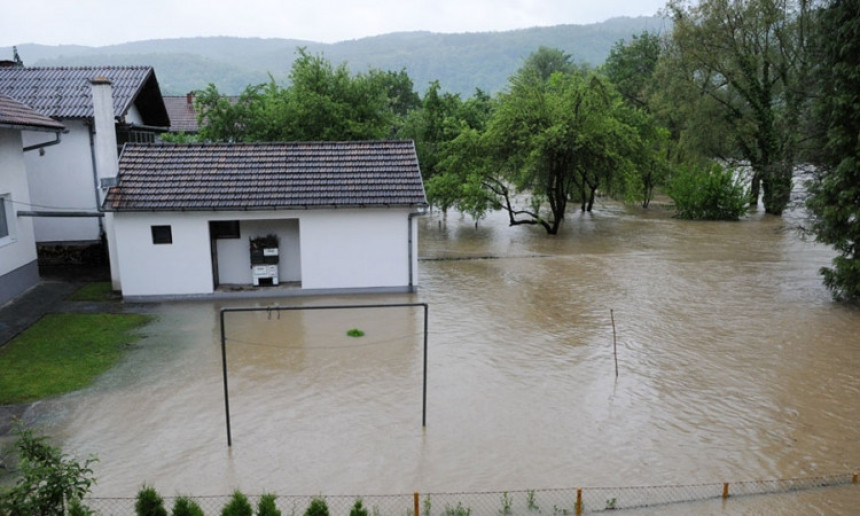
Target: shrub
x,y
184,506
318,507
238,506
358,509
149,503
714,193
266,506
46,478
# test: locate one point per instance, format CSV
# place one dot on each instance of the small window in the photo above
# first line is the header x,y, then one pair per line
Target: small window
x,y
162,235
224,228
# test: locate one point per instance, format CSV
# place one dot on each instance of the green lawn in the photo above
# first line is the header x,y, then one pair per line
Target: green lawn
x,y
97,291
63,353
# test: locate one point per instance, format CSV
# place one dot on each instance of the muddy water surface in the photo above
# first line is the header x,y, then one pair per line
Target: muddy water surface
x,y
734,365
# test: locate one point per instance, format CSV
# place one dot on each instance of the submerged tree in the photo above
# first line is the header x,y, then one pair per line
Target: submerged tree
x,y
746,57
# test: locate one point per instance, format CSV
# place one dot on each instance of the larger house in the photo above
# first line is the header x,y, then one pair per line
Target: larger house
x,y
66,182
194,219
18,268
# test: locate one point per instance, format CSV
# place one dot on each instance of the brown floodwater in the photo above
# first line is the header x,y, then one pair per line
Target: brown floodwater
x,y
734,364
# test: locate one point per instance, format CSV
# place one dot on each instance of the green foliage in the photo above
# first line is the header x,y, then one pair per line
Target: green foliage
x,y
77,508
358,509
322,103
743,64
184,506
62,353
507,502
238,506
711,193
459,510
355,332
835,193
46,478
317,507
267,507
631,66
149,503
531,503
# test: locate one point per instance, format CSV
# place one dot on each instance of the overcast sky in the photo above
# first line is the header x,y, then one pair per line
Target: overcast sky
x,y
106,22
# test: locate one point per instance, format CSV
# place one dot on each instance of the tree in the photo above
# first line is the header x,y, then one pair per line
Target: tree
x,y
746,56
835,193
631,66
322,103
548,141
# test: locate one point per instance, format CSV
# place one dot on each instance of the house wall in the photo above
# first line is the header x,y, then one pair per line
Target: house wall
x,y
18,268
324,249
62,179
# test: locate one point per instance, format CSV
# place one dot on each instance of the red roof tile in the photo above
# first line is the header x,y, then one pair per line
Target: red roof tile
x,y
14,113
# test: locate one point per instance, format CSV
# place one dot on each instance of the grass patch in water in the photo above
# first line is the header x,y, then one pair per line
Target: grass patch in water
x,y
355,332
98,291
63,353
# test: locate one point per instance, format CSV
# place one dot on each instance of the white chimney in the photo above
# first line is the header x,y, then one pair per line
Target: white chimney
x,y
104,138
106,162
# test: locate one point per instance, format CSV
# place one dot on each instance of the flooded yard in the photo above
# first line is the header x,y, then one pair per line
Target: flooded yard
x,y
734,364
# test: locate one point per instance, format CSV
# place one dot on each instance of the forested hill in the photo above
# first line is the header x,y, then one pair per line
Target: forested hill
x,y
460,62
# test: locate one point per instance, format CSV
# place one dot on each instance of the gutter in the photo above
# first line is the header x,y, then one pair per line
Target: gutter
x,y
412,215
46,213
44,144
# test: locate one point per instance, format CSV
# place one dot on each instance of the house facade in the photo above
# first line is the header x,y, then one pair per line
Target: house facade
x,y
66,183
338,217
18,268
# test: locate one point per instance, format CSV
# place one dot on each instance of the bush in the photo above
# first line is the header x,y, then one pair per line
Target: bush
x,y
267,507
149,503
46,479
358,509
238,506
714,193
318,507
184,506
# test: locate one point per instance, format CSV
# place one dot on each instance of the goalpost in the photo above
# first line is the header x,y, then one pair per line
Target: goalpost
x,y
225,311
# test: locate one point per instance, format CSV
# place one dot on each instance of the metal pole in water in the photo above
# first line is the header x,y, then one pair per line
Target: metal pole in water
x,y
224,371
614,341
424,404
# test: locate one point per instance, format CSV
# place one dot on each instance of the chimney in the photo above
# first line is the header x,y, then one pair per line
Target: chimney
x,y
104,135
189,97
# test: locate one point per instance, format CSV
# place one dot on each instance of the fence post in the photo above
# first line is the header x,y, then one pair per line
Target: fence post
x,y
415,502
579,501
725,490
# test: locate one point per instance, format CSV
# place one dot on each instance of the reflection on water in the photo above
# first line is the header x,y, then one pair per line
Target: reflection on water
x,y
734,365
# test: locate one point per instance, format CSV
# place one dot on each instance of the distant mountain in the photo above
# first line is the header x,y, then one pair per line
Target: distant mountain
x,y
461,62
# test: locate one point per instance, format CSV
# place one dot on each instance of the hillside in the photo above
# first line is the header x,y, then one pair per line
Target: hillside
x,y
461,62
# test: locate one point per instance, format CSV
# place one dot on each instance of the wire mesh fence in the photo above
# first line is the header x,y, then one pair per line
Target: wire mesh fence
x,y
557,502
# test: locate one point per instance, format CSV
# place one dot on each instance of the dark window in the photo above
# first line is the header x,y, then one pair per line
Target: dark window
x,y
162,235
224,228
4,222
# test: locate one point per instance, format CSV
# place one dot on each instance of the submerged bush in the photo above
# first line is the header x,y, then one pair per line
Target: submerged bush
x,y
713,193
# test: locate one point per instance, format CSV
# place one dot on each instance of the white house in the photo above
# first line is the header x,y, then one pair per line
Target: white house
x,y
18,268
67,184
342,213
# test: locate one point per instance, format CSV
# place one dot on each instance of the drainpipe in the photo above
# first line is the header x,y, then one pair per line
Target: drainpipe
x,y
412,215
43,144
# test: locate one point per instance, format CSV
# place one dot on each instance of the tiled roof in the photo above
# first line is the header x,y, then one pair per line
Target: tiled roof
x,y
64,92
283,175
183,117
14,113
